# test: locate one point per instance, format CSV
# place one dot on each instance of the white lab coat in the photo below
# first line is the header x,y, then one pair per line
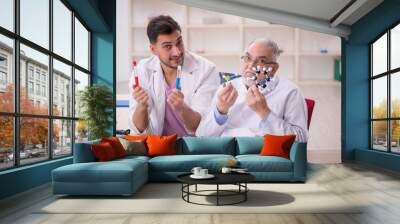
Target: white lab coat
x,y
199,82
288,114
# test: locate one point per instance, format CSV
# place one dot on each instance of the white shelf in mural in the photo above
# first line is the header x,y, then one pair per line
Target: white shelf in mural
x,y
139,26
213,54
319,83
141,54
225,40
254,26
319,54
219,54
213,26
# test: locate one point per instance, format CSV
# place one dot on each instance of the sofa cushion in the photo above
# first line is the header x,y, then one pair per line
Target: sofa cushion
x,y
185,163
93,172
257,163
111,171
275,145
206,145
161,145
83,152
249,145
132,158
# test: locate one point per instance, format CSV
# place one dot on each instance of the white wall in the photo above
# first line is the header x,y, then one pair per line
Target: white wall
x,y
123,43
325,129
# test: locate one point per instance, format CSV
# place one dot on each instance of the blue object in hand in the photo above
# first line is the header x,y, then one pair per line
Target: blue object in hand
x,y
227,76
178,83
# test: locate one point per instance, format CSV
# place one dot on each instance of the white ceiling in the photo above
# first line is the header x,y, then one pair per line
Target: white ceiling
x,y
319,9
314,15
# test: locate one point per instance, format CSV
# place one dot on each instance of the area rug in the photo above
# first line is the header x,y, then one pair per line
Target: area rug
x,y
167,198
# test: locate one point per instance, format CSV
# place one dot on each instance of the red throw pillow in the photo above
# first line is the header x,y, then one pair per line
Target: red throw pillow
x,y
161,145
116,145
277,145
103,151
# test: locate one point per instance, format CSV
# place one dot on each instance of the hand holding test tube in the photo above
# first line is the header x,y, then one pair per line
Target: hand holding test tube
x,y
139,94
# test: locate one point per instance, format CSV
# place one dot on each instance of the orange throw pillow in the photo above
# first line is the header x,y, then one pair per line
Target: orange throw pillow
x,y
161,145
135,137
116,145
103,152
277,145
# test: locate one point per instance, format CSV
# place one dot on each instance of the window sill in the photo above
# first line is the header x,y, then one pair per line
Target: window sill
x,y
26,167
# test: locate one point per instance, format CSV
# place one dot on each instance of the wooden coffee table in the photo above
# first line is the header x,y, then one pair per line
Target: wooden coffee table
x,y
238,179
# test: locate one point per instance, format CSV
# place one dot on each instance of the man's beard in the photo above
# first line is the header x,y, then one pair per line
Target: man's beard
x,y
171,66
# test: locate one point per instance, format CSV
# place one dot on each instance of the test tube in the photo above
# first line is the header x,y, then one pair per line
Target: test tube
x,y
178,78
135,74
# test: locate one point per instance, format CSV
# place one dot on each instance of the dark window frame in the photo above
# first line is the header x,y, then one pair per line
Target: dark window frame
x,y
16,114
388,74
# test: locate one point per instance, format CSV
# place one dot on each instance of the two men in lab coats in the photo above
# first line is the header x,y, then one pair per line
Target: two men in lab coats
x,y
236,109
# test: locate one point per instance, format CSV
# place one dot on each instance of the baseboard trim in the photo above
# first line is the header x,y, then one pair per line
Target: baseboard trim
x,y
324,156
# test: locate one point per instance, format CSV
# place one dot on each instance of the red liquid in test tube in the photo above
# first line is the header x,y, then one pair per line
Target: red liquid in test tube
x,y
135,74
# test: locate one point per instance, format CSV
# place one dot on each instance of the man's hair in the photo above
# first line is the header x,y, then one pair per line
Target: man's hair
x,y
271,44
161,25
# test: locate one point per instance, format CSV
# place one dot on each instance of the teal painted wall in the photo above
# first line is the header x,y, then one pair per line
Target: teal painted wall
x,y
99,16
379,159
27,177
356,99
355,86
103,64
102,58
104,53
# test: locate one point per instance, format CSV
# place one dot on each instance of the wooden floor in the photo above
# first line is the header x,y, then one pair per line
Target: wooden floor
x,y
378,188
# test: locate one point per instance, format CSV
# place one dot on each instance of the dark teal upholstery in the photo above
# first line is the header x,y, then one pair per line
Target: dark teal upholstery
x,y
125,176
83,152
93,172
184,163
167,168
118,177
249,145
257,163
298,155
206,145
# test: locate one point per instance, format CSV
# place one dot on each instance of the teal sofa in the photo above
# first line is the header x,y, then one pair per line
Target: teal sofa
x,y
125,176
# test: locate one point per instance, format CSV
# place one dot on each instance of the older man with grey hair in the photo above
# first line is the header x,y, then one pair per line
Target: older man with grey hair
x,y
259,102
